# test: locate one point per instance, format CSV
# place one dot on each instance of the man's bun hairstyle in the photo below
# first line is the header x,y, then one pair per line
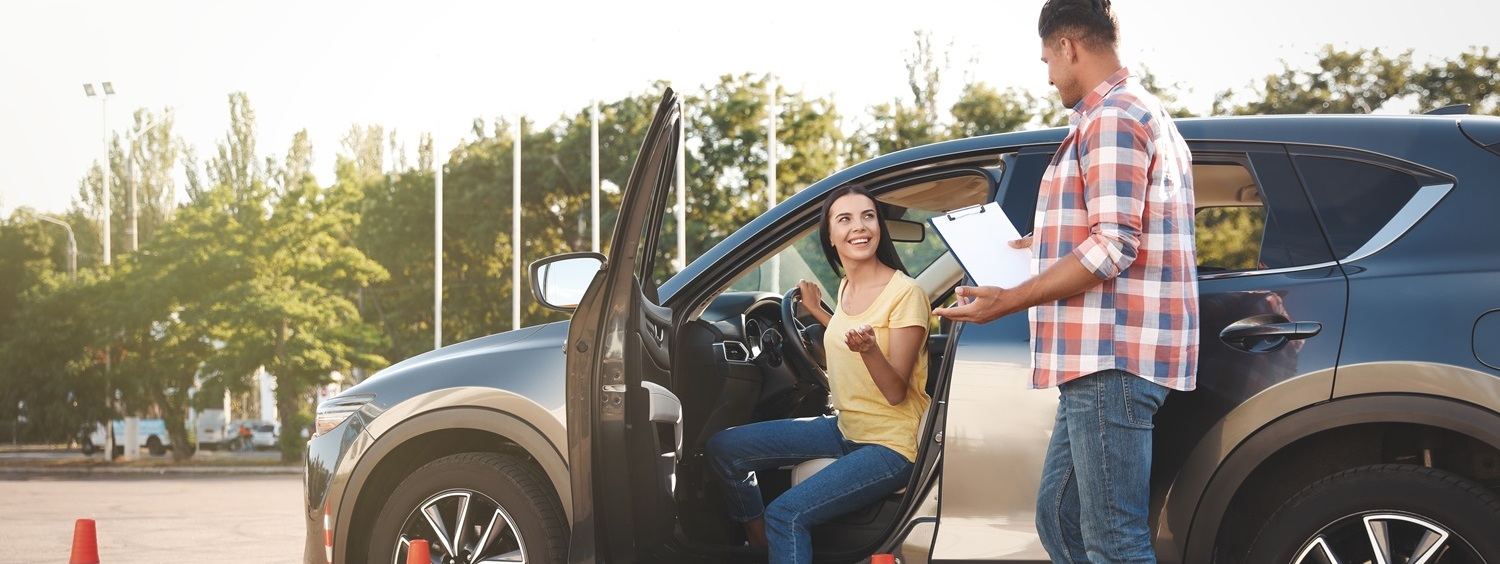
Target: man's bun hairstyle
x,y
1088,22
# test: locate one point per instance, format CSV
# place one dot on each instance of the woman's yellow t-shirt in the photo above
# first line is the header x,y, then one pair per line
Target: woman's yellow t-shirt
x,y
864,414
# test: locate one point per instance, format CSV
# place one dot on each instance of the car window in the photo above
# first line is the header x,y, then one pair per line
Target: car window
x,y
1252,215
1355,199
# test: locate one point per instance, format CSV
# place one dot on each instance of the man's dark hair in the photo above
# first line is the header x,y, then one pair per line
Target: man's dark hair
x,y
885,251
1089,22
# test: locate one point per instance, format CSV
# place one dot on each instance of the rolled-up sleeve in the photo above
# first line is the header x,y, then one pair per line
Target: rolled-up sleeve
x,y
1115,158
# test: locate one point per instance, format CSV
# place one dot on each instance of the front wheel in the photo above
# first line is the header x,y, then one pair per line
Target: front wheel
x,y
472,507
1384,513
155,446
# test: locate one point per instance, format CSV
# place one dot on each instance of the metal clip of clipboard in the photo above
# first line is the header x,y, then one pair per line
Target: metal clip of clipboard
x,y
960,212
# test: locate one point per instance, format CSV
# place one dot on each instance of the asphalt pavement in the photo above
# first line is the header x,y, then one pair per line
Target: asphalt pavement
x,y
150,519
243,507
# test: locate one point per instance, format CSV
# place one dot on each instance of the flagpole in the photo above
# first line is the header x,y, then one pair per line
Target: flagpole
x,y
682,193
437,241
515,230
771,173
594,175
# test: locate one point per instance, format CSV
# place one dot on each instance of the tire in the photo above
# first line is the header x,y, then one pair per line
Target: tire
x,y
505,498
155,447
88,447
1421,514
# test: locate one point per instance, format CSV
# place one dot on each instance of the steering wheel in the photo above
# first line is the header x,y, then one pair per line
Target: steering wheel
x,y
804,342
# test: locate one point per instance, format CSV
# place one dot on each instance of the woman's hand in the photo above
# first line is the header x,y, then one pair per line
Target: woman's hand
x,y
811,297
810,294
861,339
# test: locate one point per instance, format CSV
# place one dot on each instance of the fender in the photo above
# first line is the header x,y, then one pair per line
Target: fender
x,y
1406,398
498,412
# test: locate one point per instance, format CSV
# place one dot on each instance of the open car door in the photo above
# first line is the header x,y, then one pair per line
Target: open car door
x,y
617,369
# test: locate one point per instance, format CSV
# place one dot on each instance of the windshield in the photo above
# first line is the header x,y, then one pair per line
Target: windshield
x,y
804,260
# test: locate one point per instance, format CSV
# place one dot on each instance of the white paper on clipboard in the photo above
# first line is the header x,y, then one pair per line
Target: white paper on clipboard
x,y
980,239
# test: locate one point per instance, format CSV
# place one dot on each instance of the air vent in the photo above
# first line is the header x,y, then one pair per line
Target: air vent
x,y
735,351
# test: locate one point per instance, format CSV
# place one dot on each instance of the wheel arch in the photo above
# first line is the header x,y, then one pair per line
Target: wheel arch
x,y
417,439
1322,439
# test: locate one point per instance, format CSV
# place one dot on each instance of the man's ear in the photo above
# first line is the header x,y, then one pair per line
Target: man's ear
x,y
1067,49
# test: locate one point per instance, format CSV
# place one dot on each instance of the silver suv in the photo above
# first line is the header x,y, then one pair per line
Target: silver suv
x,y
1348,407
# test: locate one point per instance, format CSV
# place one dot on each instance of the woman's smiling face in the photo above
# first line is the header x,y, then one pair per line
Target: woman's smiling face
x,y
853,228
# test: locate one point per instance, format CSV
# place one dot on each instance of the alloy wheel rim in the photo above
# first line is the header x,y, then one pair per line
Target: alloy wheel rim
x,y
462,527
1386,537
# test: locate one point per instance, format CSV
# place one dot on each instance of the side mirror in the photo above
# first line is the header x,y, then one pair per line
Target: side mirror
x,y
560,281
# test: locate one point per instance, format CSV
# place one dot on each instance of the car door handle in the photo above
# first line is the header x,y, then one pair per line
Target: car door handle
x,y
1255,335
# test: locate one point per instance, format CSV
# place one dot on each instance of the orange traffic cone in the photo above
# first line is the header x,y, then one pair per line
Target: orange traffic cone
x,y
85,544
417,552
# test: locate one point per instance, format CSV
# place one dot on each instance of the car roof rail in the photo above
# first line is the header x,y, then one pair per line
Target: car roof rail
x,y
1451,110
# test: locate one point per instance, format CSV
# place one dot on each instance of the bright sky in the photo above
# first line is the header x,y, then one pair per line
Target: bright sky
x,y
435,66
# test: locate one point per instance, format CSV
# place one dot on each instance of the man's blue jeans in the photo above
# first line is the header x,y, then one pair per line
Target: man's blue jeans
x,y
863,474
1096,482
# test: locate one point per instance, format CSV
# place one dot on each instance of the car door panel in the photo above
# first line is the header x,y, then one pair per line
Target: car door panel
x,y
619,340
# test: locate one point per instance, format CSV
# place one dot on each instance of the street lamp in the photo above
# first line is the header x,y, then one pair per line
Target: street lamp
x,y
72,244
109,90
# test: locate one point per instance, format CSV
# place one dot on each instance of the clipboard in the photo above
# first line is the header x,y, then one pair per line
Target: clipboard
x,y
980,237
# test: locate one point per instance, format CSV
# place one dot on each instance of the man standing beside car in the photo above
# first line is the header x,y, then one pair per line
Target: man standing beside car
x,y
1113,295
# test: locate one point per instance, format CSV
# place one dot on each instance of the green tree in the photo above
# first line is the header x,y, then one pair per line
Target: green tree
x,y
1469,78
286,273
155,159
982,110
1359,81
1167,93
48,366
897,124
727,157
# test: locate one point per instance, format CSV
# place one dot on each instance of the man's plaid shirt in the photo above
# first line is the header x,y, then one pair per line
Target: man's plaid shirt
x,y
1119,196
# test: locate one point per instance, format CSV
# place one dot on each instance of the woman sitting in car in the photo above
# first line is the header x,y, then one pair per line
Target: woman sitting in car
x,y
877,373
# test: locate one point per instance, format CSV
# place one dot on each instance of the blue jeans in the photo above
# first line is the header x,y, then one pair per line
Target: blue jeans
x,y
1095,494
863,474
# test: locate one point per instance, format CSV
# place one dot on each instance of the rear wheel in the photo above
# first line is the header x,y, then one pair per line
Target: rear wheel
x,y
155,446
1390,513
472,507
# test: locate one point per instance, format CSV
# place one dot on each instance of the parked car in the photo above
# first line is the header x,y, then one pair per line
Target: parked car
x,y
263,435
151,434
1348,399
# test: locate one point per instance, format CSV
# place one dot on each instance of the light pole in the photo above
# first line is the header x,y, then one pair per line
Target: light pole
x,y
109,90
131,229
72,244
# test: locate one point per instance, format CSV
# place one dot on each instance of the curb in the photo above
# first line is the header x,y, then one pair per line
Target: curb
x,y
38,470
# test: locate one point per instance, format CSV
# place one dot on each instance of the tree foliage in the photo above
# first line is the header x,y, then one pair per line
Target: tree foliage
x,y
1469,78
1342,82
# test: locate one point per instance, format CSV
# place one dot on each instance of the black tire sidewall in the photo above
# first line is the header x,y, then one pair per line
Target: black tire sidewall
x,y
1452,501
524,494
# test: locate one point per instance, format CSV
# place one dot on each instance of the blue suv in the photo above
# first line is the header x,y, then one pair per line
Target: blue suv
x,y
1348,407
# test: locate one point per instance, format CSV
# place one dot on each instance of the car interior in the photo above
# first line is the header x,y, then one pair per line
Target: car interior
x,y
748,354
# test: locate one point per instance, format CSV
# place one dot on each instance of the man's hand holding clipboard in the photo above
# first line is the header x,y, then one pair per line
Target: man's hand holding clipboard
x,y
1003,285
984,304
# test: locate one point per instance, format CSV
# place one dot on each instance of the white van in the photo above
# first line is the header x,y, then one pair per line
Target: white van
x,y
152,433
212,429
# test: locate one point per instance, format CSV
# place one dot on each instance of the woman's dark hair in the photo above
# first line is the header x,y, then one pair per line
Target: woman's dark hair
x,y
1089,22
885,250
